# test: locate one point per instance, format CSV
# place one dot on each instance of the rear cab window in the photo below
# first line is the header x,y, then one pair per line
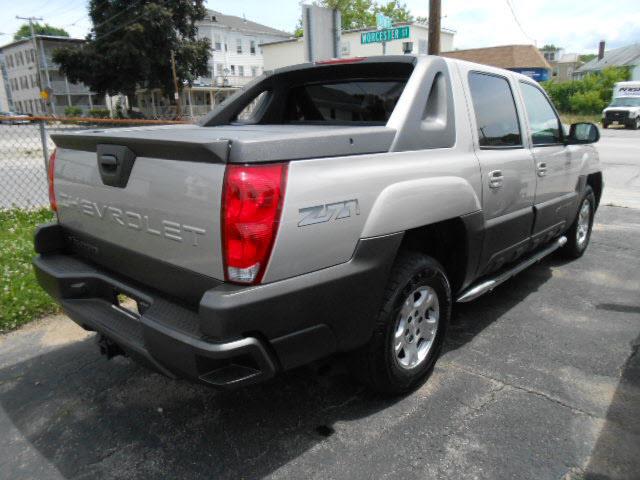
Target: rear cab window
x,y
349,94
495,111
352,101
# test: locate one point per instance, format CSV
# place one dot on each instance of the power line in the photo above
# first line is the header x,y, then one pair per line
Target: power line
x,y
515,17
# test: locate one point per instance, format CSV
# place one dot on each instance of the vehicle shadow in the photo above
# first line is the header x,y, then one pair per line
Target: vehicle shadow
x,y
91,418
617,451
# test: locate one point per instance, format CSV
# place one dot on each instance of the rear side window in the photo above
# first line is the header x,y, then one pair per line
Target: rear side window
x,y
352,101
495,111
543,121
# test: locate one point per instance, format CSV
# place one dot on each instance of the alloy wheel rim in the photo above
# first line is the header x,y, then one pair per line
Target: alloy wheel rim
x,y
416,327
584,218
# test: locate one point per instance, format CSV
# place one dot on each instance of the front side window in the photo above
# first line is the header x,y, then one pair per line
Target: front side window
x,y
495,110
543,121
239,45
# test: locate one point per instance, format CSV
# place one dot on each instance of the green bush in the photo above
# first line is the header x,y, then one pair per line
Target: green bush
x,y
587,102
99,113
587,96
72,111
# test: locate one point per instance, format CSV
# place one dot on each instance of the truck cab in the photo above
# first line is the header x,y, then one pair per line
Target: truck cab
x,y
624,108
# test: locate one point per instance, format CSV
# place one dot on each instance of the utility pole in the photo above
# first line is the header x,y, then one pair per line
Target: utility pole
x,y
176,93
434,27
43,103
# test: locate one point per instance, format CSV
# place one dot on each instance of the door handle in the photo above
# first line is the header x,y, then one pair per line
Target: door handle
x,y
495,179
542,169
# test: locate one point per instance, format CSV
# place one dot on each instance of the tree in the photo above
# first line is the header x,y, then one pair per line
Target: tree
x,y
25,32
587,57
131,43
362,13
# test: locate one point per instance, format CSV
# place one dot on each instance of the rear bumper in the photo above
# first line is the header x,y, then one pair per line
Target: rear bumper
x,y
165,337
237,335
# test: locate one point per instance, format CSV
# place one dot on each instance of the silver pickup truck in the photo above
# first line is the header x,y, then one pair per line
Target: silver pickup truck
x,y
342,206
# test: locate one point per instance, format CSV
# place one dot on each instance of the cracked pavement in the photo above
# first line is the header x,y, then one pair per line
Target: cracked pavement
x,y
538,380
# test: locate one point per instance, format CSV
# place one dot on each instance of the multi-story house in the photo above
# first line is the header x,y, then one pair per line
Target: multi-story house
x,y
22,63
6,104
236,59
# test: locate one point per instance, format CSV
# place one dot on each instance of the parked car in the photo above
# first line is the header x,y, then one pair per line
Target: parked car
x,y
348,213
624,108
13,118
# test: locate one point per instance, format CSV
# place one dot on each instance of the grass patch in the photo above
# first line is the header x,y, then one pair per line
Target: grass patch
x,y
570,118
21,298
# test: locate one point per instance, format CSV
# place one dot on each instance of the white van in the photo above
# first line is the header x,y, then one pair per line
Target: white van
x,y
625,106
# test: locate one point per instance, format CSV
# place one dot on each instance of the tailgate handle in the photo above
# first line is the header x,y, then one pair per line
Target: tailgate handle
x,y
115,163
109,162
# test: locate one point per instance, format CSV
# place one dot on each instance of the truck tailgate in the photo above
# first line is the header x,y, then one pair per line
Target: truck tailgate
x,y
168,212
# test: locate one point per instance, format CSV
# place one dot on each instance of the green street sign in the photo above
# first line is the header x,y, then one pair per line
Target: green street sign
x,y
387,35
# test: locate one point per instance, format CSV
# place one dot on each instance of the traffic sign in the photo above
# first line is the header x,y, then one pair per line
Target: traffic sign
x,y
387,35
382,21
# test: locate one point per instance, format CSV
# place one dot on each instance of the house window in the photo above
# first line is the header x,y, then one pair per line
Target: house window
x,y
240,71
233,69
252,47
217,43
254,71
219,69
422,47
238,45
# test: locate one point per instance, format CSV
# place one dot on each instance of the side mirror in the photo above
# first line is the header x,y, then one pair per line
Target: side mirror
x,y
582,133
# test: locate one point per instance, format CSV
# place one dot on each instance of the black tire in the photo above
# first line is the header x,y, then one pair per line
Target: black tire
x,y
574,248
605,125
636,124
376,364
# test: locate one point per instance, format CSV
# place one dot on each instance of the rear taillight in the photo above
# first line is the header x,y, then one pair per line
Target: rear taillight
x,y
252,199
50,177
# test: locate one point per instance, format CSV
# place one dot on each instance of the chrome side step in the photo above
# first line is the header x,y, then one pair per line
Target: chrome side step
x,y
487,285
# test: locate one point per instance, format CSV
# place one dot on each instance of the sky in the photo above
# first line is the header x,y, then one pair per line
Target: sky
x,y
576,25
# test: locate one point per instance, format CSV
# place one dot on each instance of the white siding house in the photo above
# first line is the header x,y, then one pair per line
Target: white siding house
x,y
236,59
22,64
290,52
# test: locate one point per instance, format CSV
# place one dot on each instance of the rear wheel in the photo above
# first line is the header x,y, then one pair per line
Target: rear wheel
x,y
579,234
605,124
410,327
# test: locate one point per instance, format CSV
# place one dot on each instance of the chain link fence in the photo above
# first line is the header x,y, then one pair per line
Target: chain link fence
x,y
25,146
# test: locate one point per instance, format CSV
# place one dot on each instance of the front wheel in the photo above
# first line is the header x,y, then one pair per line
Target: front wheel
x,y
579,234
410,327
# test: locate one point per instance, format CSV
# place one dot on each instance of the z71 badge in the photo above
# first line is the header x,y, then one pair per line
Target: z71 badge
x,y
325,213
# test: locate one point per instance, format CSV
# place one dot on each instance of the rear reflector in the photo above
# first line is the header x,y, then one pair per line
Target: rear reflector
x,y
50,177
252,200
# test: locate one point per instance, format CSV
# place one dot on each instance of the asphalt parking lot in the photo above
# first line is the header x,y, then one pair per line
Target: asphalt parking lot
x,y
539,380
